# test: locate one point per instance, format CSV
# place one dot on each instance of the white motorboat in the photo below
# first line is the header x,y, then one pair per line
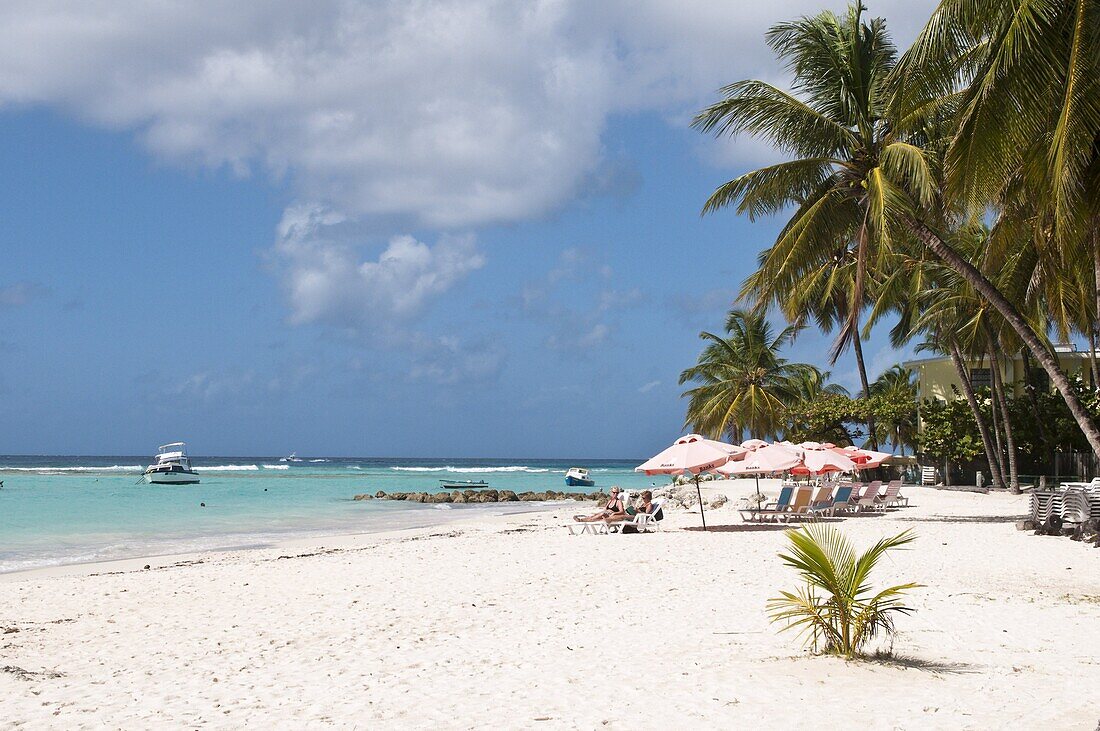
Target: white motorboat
x,y
578,477
171,466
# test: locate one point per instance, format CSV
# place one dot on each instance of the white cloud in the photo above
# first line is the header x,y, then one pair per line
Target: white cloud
x,y
649,387
447,361
447,112
327,281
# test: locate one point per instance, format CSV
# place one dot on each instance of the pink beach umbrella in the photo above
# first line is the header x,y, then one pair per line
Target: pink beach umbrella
x,y
691,455
820,461
865,459
769,458
763,460
753,444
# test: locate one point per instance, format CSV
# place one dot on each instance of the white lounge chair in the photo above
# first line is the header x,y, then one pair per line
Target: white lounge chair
x,y
644,522
579,527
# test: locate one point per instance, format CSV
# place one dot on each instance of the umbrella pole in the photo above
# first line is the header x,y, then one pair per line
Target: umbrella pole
x,y
699,494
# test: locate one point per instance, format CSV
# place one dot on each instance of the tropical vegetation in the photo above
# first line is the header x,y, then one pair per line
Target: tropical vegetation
x,y
743,386
953,188
837,611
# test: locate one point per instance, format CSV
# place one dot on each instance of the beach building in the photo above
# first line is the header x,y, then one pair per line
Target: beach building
x,y
937,379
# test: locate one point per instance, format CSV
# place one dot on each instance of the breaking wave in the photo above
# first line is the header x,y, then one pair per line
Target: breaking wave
x,y
112,468
228,468
276,467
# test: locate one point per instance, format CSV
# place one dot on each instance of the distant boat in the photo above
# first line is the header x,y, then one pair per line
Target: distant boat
x,y
578,477
292,457
462,484
171,466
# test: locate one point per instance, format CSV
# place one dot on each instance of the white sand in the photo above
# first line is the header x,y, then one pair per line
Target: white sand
x,y
510,622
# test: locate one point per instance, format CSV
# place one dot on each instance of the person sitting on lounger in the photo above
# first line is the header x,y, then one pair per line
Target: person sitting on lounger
x,y
644,505
614,507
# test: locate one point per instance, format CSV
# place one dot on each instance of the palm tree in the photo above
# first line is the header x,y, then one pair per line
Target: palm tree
x,y
743,381
821,293
897,384
811,383
837,610
1028,129
954,320
865,137
850,169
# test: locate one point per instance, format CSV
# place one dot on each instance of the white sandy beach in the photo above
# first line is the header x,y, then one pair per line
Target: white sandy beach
x,y
510,622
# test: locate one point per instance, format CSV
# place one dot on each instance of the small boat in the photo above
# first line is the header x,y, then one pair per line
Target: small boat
x,y
462,484
578,477
171,466
292,457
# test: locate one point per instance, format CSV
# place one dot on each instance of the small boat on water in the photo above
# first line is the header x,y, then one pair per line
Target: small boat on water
x,y
578,477
292,457
171,466
462,484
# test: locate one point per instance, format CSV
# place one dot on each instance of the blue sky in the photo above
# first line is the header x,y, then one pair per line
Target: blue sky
x,y
196,248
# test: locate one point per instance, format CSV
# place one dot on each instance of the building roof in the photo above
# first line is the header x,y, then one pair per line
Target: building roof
x,y
1015,356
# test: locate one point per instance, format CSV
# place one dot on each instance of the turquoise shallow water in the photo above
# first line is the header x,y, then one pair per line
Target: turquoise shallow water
x,y
63,509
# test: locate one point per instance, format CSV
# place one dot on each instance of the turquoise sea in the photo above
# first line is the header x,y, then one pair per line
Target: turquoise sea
x,y
65,509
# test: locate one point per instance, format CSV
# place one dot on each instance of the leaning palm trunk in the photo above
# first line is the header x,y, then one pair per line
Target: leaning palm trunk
x,y
857,346
968,390
1036,412
995,420
1095,325
1016,321
1092,356
1006,419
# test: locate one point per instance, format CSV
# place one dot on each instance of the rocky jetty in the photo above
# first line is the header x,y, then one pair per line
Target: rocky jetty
x,y
482,496
676,497
684,497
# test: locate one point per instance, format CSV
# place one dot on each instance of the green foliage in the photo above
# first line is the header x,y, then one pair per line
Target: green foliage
x,y
893,403
950,431
837,611
838,418
1043,423
824,419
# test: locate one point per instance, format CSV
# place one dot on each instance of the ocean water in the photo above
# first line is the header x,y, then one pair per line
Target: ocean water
x,y
63,509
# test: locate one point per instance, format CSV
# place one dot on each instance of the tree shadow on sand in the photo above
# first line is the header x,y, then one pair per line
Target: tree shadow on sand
x,y
966,519
741,528
907,662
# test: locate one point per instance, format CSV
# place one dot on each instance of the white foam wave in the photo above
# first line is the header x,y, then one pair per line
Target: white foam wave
x,y
318,460
276,467
228,468
472,470
112,468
